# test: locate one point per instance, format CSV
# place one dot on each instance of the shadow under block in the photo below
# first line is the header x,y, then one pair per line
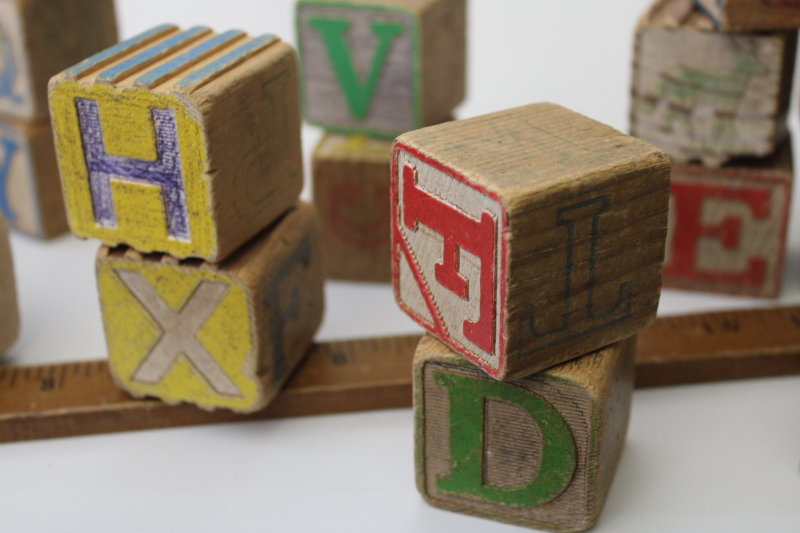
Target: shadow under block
x,y
729,101
727,230
528,237
381,67
351,190
9,313
183,142
30,189
216,335
39,38
752,15
539,451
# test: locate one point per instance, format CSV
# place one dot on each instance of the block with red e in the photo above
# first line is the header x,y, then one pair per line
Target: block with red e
x,y
528,237
727,230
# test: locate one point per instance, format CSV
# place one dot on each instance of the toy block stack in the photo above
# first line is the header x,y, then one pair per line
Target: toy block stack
x,y
180,151
39,38
9,313
372,71
716,101
529,244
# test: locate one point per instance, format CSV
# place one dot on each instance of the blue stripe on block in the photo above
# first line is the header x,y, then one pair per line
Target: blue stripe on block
x,y
109,54
225,62
175,65
151,54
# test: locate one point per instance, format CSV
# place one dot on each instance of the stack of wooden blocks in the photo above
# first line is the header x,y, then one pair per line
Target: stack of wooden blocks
x,y
180,150
371,71
39,38
529,243
712,82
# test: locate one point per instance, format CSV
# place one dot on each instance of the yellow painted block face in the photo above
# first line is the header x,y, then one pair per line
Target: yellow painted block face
x,y
180,334
133,167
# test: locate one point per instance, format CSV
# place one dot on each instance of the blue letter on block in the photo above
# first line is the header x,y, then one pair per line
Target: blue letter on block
x,y
165,171
9,147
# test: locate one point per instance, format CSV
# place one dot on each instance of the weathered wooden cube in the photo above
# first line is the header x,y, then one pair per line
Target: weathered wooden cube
x,y
351,190
708,96
727,230
752,15
184,142
216,335
528,237
539,451
9,313
30,189
39,38
381,67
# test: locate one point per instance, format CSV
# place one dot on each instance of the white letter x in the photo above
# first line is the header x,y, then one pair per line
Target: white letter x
x,y
178,332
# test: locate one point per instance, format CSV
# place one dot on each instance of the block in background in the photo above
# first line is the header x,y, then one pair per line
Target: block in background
x,y
39,38
351,190
30,189
381,67
727,230
752,15
539,451
216,335
729,101
184,142
9,313
528,237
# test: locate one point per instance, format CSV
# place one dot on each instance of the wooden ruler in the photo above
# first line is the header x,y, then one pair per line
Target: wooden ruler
x,y
359,375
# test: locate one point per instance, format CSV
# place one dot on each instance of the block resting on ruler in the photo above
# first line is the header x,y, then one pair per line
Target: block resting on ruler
x,y
9,313
216,335
528,237
539,451
729,101
381,67
184,142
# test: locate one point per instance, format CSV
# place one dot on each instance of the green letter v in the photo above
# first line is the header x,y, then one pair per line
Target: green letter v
x,y
357,94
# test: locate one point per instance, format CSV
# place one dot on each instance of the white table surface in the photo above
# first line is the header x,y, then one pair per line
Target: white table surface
x,y
699,458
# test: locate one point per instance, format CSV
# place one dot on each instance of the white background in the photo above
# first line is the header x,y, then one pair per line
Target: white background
x,y
717,457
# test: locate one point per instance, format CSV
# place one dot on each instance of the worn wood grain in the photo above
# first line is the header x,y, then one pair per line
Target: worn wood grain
x,y
528,237
38,39
381,67
221,335
752,15
540,451
30,188
184,142
729,101
351,177
728,226
9,312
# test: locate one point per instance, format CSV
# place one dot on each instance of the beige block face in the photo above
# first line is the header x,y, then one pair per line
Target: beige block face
x,y
711,96
30,189
532,452
218,336
728,229
523,241
16,96
9,313
351,190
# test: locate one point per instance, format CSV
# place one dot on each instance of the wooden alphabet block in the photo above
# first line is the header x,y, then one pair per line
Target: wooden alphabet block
x,y
351,190
729,101
183,142
38,39
539,451
30,189
528,237
752,15
9,313
216,335
381,67
727,230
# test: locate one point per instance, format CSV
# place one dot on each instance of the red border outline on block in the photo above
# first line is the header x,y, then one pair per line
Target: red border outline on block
x,y
398,241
